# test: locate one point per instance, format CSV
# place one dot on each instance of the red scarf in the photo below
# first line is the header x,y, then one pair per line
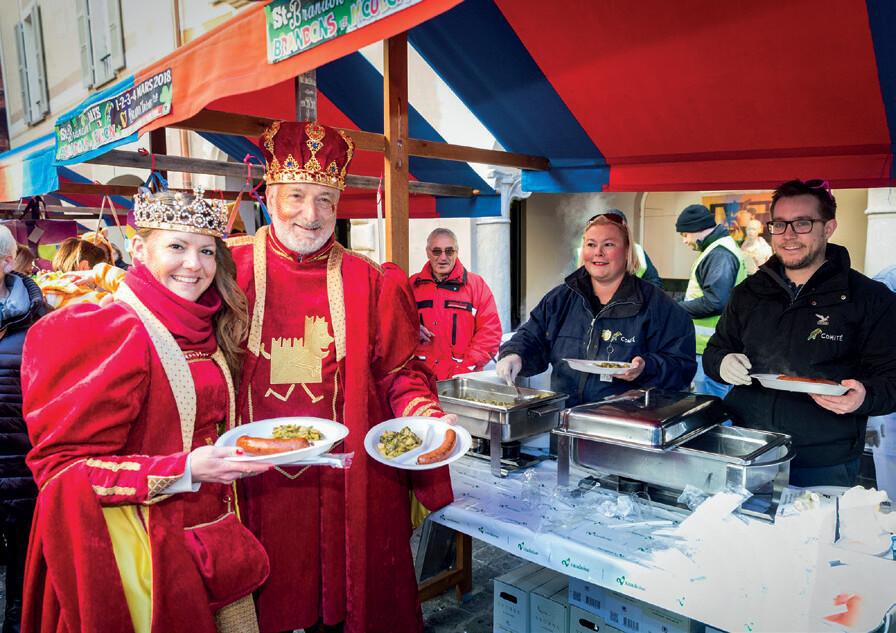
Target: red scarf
x,y
191,322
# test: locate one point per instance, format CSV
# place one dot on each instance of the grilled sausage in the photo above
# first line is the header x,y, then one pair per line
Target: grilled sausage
x,y
270,446
442,451
817,381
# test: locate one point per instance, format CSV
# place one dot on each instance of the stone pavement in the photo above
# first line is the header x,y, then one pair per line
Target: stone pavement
x,y
442,614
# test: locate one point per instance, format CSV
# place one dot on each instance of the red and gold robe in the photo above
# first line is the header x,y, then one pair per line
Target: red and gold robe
x,y
334,336
106,431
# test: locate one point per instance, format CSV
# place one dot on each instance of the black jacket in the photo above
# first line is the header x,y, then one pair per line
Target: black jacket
x,y
17,489
640,320
716,275
840,325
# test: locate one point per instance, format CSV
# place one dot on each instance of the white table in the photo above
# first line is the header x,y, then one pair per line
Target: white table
x,y
734,573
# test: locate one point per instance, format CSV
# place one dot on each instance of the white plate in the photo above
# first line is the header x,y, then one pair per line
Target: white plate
x,y
592,367
430,430
332,432
770,381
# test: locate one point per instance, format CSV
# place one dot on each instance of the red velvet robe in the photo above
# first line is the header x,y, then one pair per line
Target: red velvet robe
x,y
102,418
338,539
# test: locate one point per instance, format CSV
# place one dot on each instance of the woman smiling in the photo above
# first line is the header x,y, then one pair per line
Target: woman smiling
x,y
135,527
602,311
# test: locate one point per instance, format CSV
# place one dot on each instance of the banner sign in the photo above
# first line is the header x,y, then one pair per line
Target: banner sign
x,y
294,26
115,117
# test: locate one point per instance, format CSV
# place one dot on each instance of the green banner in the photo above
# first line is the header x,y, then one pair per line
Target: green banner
x,y
294,26
114,118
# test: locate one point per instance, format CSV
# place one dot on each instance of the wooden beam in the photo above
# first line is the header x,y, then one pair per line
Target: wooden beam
x,y
395,158
242,125
119,158
92,189
447,151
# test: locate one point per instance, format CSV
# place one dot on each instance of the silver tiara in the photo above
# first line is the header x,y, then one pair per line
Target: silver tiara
x,y
176,211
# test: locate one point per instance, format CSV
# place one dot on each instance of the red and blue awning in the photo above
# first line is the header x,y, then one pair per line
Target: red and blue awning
x,y
646,96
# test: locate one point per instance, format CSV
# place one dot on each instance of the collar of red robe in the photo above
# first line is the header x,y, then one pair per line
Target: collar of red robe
x,y
191,322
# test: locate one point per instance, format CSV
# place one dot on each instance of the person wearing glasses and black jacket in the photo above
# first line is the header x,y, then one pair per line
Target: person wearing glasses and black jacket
x,y
806,313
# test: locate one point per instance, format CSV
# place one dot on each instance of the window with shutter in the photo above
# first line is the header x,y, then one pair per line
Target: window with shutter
x,y
101,39
32,70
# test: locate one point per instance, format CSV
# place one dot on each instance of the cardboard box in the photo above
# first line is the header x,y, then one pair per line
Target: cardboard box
x,y
588,597
511,597
662,621
625,613
581,621
548,607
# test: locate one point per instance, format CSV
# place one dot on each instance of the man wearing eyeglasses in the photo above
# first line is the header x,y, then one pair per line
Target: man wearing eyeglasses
x,y
719,268
806,313
460,329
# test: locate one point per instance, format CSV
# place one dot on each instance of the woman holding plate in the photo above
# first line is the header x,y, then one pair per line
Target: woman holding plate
x,y
604,314
136,526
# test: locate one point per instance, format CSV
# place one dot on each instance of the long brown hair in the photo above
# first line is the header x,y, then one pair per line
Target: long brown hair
x,y
232,320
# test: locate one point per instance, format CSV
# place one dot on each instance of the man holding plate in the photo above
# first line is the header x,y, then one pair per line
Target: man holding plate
x,y
812,325
332,335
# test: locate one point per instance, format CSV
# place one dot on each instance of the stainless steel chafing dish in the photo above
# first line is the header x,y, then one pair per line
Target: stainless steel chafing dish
x,y
500,413
670,441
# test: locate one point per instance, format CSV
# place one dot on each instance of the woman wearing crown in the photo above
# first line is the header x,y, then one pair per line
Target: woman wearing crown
x,y
136,526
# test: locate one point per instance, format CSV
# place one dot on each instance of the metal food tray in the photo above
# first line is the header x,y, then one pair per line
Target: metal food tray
x,y
651,419
723,456
520,415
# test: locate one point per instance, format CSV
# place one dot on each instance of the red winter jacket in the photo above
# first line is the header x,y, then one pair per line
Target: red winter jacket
x,y
461,312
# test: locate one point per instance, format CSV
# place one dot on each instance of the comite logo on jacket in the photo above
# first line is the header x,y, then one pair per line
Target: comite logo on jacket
x,y
611,337
818,333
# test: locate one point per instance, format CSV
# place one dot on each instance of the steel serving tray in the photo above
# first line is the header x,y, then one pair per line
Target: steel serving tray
x,y
649,419
479,404
723,456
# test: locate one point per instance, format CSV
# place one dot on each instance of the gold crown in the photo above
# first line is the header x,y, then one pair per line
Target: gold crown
x,y
176,211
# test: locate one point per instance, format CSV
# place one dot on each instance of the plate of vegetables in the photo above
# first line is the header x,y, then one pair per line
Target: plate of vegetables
x,y
283,440
417,442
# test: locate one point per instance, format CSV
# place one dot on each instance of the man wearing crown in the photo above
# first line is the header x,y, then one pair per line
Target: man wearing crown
x,y
332,335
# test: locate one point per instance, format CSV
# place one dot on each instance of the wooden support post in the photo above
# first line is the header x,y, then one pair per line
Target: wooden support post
x,y
306,96
158,144
460,576
395,125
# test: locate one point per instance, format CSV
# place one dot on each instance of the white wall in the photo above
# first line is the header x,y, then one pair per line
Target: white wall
x,y
674,260
554,224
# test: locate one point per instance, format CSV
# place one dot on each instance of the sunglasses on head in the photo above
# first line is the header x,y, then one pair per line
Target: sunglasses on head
x,y
450,251
612,216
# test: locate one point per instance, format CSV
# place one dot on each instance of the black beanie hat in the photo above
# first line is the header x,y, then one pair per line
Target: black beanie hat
x,y
694,218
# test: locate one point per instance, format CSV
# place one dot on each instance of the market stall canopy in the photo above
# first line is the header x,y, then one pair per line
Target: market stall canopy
x,y
657,95
666,96
647,96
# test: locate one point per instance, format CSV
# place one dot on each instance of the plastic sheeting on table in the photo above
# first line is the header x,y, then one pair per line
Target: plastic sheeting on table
x,y
729,571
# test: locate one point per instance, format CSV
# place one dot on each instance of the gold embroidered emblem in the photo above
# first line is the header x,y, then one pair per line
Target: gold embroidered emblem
x,y
299,361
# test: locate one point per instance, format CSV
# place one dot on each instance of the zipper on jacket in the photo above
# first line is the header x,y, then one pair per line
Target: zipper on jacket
x,y
583,381
453,329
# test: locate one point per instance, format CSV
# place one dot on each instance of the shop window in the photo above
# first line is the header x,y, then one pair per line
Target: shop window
x,y
100,37
32,70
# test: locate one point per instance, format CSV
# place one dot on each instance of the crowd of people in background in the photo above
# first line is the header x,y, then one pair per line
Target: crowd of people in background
x,y
125,451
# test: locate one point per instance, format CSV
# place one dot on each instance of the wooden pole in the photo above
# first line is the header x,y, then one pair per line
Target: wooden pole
x,y
395,158
158,144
